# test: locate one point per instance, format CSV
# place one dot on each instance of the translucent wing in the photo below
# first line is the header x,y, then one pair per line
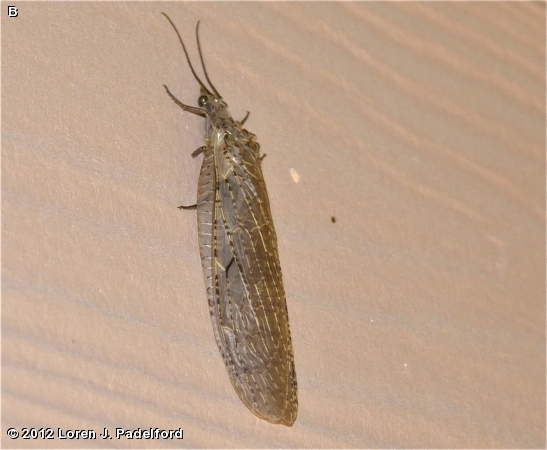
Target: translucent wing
x,y
243,277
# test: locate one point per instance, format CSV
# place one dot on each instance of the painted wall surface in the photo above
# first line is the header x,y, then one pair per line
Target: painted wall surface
x,y
418,317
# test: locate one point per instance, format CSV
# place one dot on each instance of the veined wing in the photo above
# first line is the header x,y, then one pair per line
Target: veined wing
x,y
251,318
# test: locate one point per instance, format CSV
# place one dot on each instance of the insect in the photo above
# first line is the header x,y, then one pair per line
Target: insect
x,y
238,248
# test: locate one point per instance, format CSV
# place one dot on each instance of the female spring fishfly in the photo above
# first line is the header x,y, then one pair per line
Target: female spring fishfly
x,y
238,248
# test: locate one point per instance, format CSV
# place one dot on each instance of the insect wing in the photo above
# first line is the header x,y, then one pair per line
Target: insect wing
x,y
249,309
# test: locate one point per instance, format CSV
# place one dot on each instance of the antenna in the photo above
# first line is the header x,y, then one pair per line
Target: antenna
x,y
188,58
202,63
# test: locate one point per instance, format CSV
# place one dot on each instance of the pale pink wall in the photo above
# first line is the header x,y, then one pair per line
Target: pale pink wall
x,y
418,318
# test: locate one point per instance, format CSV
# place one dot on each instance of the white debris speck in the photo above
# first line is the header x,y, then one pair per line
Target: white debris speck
x,y
294,175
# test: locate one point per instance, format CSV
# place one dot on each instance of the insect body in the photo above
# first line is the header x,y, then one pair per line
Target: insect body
x,y
238,248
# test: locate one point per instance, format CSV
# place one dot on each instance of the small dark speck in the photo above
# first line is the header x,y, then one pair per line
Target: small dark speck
x,y
333,219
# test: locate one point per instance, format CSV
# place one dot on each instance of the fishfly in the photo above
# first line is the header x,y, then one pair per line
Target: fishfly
x,y
238,248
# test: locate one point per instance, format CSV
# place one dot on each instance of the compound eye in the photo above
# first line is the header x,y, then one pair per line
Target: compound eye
x,y
202,100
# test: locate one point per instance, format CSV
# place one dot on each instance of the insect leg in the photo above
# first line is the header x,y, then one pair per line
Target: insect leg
x,y
194,154
241,122
190,109
198,151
